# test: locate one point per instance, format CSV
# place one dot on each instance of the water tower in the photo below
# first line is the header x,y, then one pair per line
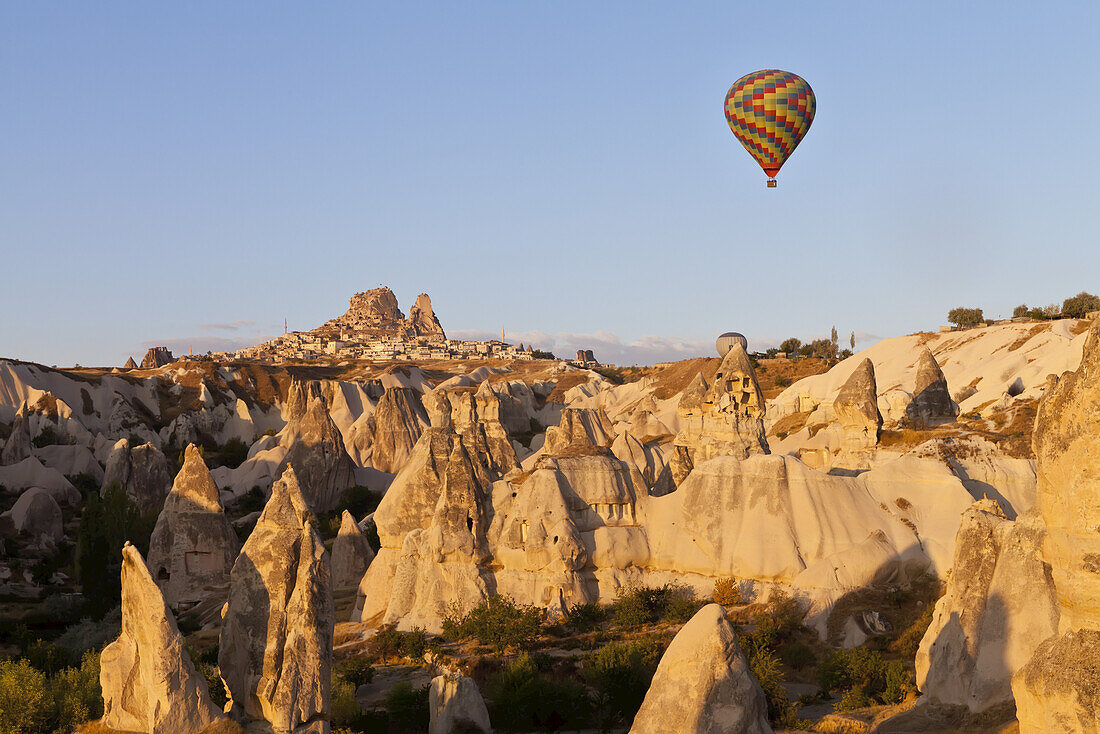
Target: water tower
x,y
725,342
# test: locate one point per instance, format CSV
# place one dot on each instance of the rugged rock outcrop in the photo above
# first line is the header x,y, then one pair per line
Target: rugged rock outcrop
x,y
393,429
156,357
580,429
130,364
315,447
1058,689
141,471
703,684
856,409
193,546
724,419
277,627
18,446
149,682
456,706
351,554
999,606
433,519
931,402
422,320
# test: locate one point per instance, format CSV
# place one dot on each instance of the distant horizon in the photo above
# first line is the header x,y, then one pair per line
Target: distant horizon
x,y
193,175
608,348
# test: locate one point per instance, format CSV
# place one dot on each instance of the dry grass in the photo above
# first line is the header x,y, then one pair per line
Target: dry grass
x,y
789,424
775,375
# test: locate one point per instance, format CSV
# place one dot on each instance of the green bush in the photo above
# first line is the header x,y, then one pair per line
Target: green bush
x,y
587,617
214,684
639,605
853,698
964,317
233,452
864,669
77,697
414,643
408,707
46,437
797,655
726,592
357,671
520,698
345,710
498,621
25,700
386,644
360,501
620,674
765,667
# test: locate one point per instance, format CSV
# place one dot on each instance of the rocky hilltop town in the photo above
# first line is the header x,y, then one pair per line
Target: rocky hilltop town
x,y
426,534
374,328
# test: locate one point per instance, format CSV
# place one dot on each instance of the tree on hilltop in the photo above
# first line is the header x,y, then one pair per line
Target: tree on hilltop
x,y
1077,307
790,346
964,317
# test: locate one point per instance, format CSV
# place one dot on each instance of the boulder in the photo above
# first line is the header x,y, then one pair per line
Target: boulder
x,y
422,320
455,706
277,626
18,446
141,471
703,684
998,607
31,473
931,402
315,447
351,554
37,517
193,546
149,682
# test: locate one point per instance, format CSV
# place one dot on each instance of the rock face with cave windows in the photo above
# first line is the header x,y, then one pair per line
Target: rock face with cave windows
x,y
193,546
724,418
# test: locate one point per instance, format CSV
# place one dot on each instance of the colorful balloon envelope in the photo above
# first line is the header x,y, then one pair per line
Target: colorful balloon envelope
x,y
770,112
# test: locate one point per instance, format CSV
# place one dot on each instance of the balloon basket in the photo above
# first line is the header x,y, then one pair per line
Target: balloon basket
x,y
772,183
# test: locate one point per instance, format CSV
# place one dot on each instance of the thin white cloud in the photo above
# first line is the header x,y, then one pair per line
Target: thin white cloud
x,y
228,326
204,344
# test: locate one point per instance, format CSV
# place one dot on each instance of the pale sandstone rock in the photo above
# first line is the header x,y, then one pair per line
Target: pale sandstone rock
x,y
703,684
856,409
931,402
141,471
999,606
1058,689
351,554
149,682
579,428
456,706
31,473
727,419
315,448
393,429
277,627
422,320
193,546
36,516
18,445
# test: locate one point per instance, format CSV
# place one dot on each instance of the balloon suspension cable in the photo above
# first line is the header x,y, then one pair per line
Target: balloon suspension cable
x,y
772,183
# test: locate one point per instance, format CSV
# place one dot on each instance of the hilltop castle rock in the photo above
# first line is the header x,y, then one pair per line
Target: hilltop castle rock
x,y
422,320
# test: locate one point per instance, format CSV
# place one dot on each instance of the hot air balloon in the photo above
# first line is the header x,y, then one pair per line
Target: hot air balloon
x,y
725,342
770,112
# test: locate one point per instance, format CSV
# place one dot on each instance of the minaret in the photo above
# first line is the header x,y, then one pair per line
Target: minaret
x,y
502,334
284,326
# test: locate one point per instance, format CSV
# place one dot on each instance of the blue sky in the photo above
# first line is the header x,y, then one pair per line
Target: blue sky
x,y
193,173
